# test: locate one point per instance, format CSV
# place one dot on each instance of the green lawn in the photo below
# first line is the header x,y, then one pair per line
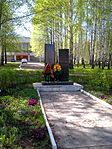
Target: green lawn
x,y
95,81
21,123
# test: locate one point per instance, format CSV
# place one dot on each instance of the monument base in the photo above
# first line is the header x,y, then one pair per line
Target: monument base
x,y
57,88
58,83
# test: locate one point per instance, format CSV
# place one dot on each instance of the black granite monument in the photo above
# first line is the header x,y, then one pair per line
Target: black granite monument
x,y
64,62
49,54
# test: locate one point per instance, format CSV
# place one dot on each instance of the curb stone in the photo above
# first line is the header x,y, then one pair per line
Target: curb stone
x,y
97,99
53,142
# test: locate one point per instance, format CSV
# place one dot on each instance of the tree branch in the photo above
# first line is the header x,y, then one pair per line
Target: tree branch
x,y
15,18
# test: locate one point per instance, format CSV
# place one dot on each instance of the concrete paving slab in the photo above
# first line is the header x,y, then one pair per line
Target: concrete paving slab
x,y
32,66
78,121
56,88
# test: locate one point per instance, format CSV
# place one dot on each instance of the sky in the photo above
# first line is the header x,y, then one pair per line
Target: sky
x,y
26,28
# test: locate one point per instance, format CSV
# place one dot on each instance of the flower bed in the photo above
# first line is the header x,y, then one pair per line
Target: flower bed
x,y
22,123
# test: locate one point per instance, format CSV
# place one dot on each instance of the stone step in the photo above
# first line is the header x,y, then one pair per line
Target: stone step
x,y
58,83
58,88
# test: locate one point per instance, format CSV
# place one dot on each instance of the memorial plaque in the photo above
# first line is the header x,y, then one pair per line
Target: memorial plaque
x,y
64,62
49,54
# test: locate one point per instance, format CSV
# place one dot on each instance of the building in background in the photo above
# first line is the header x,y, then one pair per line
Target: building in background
x,y
25,52
24,45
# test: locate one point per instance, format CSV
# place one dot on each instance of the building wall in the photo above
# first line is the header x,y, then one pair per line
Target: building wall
x,y
10,57
34,59
24,44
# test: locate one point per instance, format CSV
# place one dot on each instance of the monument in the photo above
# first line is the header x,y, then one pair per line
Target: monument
x,y
50,54
55,82
61,76
64,62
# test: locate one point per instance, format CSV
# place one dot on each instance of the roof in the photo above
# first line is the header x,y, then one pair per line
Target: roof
x,y
31,54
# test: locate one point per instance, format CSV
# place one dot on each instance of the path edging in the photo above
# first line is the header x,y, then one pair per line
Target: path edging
x,y
53,142
97,99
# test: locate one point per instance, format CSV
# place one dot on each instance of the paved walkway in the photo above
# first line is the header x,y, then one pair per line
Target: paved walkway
x,y
77,121
32,66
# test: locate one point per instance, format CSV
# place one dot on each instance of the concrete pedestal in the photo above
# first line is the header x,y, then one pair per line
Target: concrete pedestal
x,y
56,88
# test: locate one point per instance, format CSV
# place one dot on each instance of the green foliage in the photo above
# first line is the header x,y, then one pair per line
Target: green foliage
x,y
7,78
108,76
96,81
27,92
11,78
38,40
18,120
93,79
6,138
85,24
11,18
10,66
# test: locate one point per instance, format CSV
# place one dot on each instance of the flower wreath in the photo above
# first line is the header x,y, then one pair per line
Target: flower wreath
x,y
57,67
47,69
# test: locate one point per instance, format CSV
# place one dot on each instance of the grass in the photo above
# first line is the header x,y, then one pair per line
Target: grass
x,y
10,66
22,125
96,81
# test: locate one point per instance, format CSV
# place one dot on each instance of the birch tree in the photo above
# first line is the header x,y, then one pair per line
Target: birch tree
x,y
82,26
8,19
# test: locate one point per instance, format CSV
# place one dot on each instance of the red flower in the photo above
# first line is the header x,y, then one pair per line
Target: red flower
x,y
47,69
102,97
32,102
